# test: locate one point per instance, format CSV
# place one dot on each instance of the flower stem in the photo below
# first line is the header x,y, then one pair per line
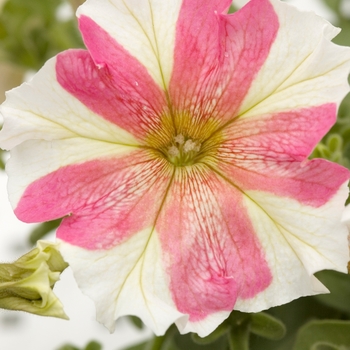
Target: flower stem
x,y
157,343
238,337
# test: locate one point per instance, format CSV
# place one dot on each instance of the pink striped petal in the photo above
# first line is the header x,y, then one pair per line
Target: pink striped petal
x,y
103,201
217,56
122,93
290,135
312,183
43,110
298,240
143,28
128,279
303,67
269,154
210,249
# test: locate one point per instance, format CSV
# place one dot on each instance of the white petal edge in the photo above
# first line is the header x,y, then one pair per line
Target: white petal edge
x,y
42,109
306,240
346,216
144,28
125,280
303,69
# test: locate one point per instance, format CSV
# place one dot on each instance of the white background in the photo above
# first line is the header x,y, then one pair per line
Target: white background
x,y
30,332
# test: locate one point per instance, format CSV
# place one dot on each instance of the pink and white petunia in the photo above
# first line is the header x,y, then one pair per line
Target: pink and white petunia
x,y
175,150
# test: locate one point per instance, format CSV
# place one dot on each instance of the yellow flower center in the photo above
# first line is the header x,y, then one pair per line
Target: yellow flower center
x,y
183,151
185,140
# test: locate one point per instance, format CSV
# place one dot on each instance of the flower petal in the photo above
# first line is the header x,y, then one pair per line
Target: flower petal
x,y
346,218
121,91
44,110
217,56
103,200
143,28
303,68
252,147
298,241
35,159
128,279
312,182
210,249
285,136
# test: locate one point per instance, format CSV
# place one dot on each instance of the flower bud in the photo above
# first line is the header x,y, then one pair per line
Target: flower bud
x,y
27,283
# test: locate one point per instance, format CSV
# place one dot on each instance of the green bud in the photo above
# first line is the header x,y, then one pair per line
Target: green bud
x,y
267,326
27,283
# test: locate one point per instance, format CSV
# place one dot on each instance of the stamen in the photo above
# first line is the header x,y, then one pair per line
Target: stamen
x,y
197,148
173,151
183,151
189,146
179,139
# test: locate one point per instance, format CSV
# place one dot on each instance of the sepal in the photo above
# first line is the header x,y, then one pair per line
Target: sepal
x,y
267,326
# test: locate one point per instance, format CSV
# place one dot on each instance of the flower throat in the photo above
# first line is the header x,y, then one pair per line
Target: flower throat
x,y
183,151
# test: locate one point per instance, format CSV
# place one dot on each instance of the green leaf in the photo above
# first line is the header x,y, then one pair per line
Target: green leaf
x,y
293,315
2,164
344,110
333,4
343,37
31,33
154,344
186,342
339,286
326,346
93,345
76,3
314,333
332,148
335,143
267,326
43,229
136,322
165,342
232,9
68,347
141,346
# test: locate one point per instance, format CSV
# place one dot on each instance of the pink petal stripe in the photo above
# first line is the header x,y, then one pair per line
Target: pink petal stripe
x,y
211,252
269,154
312,182
105,201
290,135
111,82
217,56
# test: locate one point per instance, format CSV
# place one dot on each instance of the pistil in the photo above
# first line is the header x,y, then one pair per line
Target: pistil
x,y
183,151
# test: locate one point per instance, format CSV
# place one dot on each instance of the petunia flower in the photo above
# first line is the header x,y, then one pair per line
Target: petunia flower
x,y
175,150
